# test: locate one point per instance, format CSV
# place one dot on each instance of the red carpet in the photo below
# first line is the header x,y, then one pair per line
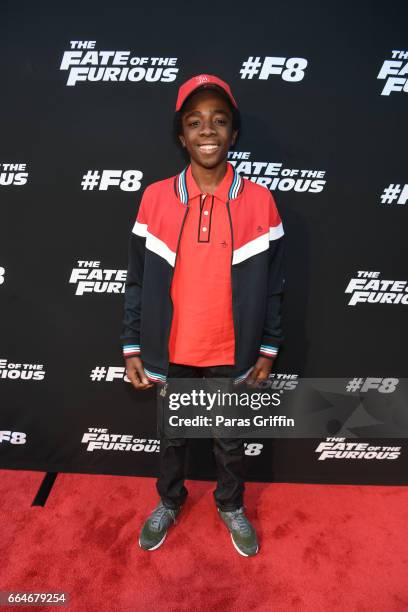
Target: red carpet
x,y
323,548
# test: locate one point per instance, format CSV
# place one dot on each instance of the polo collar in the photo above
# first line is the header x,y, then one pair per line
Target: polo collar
x,y
230,187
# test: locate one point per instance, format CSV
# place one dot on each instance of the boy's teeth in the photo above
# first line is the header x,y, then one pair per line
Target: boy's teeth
x,y
208,147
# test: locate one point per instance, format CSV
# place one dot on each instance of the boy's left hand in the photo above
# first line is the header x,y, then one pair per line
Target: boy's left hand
x,y
261,370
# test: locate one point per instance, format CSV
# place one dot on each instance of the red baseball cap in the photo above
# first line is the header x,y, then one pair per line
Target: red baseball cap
x,y
202,80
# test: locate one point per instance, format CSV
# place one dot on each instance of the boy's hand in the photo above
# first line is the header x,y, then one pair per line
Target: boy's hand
x,y
261,370
136,374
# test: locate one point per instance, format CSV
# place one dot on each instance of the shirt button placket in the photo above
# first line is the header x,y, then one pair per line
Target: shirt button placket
x,y
205,218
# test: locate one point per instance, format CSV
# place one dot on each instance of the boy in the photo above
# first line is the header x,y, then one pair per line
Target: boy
x,y
203,292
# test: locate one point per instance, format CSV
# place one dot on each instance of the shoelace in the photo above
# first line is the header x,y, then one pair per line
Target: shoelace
x,y
240,522
159,514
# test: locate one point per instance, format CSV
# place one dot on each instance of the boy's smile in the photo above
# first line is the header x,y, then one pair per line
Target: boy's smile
x,y
207,129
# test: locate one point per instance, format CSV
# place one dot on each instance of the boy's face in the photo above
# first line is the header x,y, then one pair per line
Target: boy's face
x,y
207,128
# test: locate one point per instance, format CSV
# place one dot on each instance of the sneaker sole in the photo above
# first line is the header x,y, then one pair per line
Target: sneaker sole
x,y
240,551
154,547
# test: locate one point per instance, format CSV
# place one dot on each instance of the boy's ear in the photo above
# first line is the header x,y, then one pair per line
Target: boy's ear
x,y
234,137
182,140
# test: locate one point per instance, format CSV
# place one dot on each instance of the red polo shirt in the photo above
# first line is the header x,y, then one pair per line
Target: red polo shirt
x,y
202,330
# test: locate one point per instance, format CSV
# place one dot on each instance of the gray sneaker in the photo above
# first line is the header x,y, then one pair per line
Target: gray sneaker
x,y
154,530
243,535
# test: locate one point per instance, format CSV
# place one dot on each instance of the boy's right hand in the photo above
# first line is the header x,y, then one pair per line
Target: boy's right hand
x,y
136,374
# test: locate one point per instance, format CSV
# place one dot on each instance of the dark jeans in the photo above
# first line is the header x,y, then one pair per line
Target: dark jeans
x,y
229,455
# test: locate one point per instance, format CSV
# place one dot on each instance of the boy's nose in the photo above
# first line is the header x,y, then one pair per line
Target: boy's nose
x,y
207,128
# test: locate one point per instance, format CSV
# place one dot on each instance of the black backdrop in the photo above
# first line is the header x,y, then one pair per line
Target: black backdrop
x,y
333,128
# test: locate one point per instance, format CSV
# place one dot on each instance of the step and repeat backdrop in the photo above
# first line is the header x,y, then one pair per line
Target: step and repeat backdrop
x,y
87,102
